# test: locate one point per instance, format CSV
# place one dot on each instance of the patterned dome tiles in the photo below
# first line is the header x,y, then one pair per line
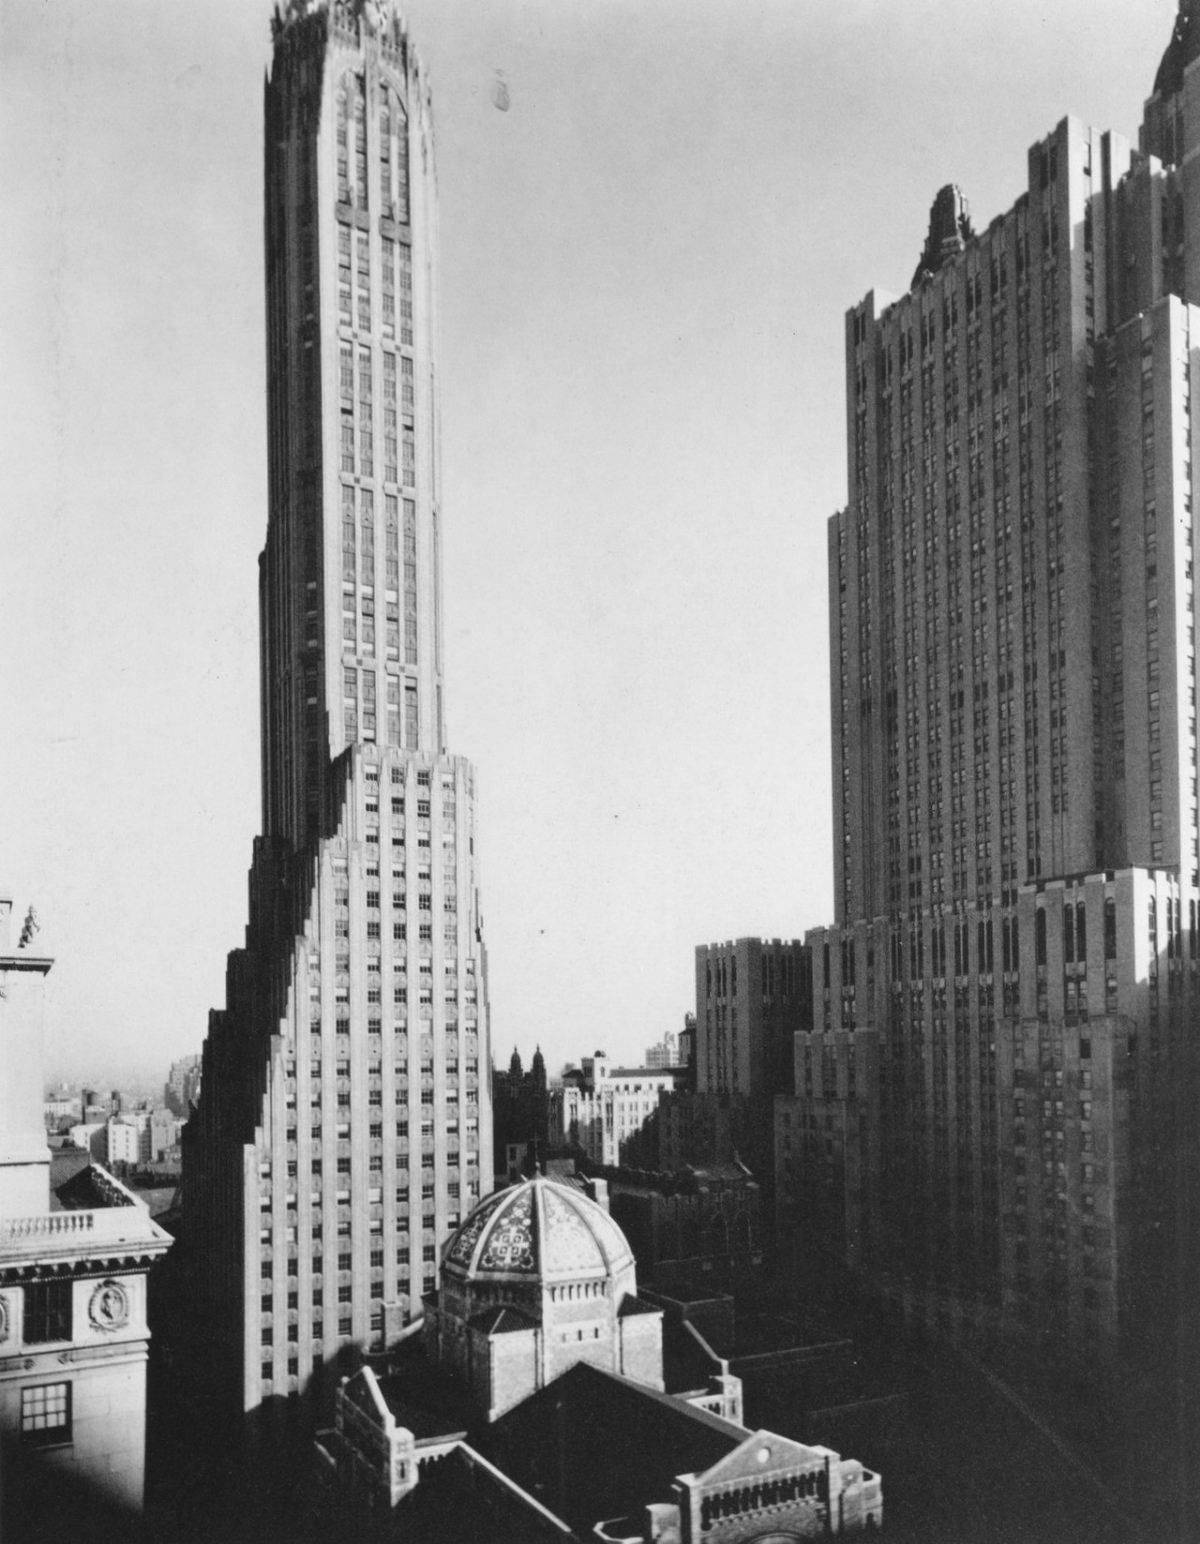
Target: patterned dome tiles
x,y
509,1244
539,1228
570,1244
462,1246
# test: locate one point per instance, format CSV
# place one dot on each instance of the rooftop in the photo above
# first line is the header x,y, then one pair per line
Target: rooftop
x,y
539,1228
90,1214
591,1441
462,1496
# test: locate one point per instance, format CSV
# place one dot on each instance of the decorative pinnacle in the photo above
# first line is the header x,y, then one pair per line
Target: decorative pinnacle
x,y
31,926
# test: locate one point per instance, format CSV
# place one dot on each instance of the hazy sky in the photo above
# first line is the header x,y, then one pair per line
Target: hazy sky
x,y
645,265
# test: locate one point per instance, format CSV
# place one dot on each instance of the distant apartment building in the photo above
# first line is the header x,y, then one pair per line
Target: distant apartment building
x,y
183,1085
663,1053
162,1134
125,1140
60,1109
687,1047
752,997
92,1136
606,1111
75,1248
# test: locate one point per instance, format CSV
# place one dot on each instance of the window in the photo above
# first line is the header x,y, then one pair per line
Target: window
x,y
47,1312
46,1414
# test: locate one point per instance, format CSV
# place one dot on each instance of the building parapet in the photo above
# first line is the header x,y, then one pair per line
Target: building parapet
x,y
24,1239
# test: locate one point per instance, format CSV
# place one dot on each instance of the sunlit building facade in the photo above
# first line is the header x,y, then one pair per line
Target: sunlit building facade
x,y
344,1130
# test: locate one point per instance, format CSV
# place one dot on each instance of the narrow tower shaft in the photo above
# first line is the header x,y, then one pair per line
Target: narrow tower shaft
x,y
350,579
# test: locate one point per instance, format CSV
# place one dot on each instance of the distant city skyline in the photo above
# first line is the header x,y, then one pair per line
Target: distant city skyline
x,y
647,261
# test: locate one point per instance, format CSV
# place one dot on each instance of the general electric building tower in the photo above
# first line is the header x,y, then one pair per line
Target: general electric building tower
x,y
344,1129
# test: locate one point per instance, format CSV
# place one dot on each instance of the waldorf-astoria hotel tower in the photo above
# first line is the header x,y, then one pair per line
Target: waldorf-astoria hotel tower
x,y
344,1128
1006,1003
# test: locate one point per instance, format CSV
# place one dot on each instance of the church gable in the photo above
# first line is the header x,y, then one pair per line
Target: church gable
x,y
764,1455
361,1390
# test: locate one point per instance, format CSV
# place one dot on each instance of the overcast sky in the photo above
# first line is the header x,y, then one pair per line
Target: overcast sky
x,y
645,265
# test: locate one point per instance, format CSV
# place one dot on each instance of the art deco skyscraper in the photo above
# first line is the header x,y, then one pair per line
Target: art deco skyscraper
x,y
344,1126
1017,861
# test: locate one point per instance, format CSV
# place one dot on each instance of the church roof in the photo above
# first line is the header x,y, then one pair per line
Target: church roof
x,y
538,1229
502,1321
462,1496
594,1444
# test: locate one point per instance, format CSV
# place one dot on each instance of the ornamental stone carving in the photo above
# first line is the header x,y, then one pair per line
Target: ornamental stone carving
x,y
109,1307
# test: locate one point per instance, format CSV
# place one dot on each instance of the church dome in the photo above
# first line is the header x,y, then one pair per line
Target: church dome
x,y
538,1230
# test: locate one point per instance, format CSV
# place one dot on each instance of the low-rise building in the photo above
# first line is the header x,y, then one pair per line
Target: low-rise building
x,y
75,1249
91,1137
60,1110
827,1142
693,1220
609,1112
125,1139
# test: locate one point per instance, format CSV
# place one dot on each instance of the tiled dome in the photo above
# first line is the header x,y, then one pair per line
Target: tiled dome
x,y
539,1229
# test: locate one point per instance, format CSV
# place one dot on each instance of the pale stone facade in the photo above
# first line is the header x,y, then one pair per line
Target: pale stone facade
x,y
603,1109
75,1248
